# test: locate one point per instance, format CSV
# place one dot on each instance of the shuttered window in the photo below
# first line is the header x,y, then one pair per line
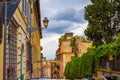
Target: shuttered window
x,y
29,16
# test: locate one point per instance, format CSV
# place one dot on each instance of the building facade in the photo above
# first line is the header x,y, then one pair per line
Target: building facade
x,y
20,64
49,69
36,36
65,53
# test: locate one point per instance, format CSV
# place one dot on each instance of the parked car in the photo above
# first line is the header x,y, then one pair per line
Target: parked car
x,y
88,79
108,78
111,77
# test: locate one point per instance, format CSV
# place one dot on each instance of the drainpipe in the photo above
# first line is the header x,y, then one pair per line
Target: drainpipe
x,y
21,76
5,28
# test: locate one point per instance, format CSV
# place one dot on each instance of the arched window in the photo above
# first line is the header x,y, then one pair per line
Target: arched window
x,y
0,31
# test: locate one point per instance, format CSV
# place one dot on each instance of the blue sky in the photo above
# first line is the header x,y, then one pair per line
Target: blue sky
x,y
64,16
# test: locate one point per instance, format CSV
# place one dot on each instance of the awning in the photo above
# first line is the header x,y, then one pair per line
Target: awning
x,y
11,7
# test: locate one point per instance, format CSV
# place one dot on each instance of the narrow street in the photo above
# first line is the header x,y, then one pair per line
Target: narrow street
x,y
59,39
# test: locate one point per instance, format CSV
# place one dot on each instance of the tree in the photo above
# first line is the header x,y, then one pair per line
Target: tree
x,y
103,21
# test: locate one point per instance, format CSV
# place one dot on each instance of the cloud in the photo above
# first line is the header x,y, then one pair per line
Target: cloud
x,y
64,20
71,15
58,26
50,44
78,29
50,8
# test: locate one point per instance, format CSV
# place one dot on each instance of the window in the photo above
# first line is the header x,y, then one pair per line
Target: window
x,y
24,7
79,50
28,56
72,57
11,60
0,31
29,15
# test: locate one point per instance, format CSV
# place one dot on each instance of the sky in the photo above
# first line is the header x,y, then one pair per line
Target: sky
x,y
64,16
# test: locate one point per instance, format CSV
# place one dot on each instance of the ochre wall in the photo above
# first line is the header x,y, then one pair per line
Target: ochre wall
x,y
1,57
36,44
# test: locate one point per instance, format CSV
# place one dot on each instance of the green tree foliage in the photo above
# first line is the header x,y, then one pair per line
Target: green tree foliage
x,y
62,38
103,21
88,64
72,67
80,67
67,71
74,46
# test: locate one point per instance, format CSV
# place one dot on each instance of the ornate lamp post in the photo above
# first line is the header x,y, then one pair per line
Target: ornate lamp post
x,y
45,23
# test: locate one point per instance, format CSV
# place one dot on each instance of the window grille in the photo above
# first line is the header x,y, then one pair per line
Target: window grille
x,y
11,55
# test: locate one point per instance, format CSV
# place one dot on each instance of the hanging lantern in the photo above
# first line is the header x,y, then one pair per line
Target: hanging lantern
x,y
45,22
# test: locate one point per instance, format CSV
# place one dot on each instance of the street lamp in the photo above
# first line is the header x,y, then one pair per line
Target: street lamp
x,y
31,30
45,22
